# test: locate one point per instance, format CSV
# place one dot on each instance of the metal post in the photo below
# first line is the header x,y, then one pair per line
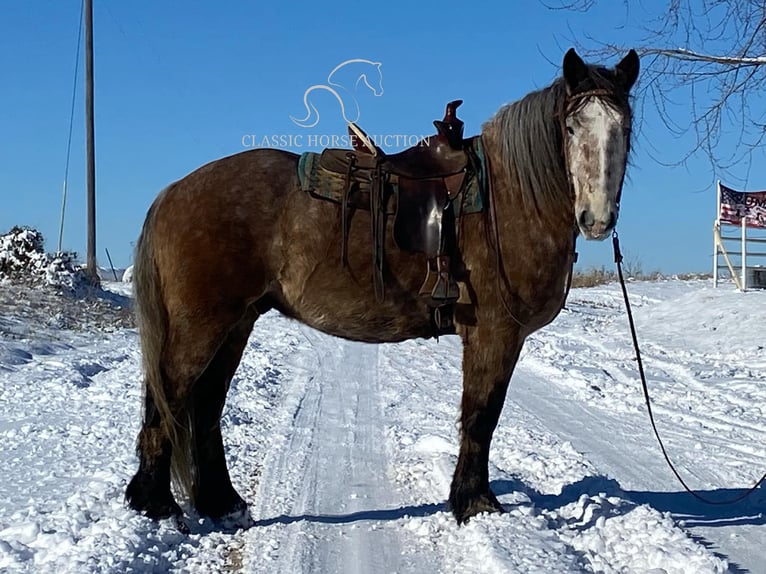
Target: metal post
x,y
109,257
61,224
90,142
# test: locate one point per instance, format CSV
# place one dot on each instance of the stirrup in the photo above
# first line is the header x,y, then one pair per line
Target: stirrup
x,y
439,283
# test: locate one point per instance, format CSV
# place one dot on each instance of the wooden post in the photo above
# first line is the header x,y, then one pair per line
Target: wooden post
x,y
716,228
743,257
90,142
734,275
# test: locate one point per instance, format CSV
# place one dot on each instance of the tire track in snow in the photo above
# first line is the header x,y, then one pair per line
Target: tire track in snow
x,y
686,408
323,493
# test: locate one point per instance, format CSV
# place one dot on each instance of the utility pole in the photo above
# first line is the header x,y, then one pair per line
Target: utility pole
x,y
91,144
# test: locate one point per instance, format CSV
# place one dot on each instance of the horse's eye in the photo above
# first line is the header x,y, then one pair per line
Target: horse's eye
x,y
570,130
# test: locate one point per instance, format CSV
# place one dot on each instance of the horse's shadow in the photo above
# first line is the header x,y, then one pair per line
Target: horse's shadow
x,y
389,514
681,504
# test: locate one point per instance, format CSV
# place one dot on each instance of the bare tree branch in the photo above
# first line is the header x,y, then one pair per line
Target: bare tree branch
x,y
692,56
704,73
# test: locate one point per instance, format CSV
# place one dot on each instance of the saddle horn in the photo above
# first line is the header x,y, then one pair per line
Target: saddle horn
x,y
451,127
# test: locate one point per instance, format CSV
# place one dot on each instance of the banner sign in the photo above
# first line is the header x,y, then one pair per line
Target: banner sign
x,y
738,205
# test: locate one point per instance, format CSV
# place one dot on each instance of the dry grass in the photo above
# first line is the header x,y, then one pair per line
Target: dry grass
x,y
601,276
593,277
25,309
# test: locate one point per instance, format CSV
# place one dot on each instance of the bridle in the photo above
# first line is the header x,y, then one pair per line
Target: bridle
x,y
571,105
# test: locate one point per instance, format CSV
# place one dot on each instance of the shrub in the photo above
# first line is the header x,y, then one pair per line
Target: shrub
x,y
23,260
21,253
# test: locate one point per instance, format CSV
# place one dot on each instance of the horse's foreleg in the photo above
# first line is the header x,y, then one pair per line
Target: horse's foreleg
x,y
213,493
489,357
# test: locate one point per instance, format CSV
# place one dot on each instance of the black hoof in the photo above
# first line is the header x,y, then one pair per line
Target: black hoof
x,y
465,505
238,519
145,497
222,507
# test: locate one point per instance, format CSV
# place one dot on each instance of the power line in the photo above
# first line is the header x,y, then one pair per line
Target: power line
x,y
71,125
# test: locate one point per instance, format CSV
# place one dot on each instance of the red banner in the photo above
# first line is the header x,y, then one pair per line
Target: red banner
x,y
739,205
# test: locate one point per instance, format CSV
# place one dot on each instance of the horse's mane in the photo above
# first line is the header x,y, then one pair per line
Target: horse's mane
x,y
528,140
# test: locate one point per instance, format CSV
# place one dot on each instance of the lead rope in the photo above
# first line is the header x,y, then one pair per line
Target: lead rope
x,y
618,261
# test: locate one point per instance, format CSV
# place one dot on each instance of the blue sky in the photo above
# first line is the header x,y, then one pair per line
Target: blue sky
x,y
176,88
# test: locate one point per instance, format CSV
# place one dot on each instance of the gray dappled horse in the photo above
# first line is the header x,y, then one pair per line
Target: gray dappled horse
x,y
238,237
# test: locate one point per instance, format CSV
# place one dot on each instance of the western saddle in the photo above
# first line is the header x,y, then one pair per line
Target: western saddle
x,y
424,182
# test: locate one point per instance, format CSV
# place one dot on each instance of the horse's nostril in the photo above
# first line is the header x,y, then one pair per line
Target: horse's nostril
x,y
587,220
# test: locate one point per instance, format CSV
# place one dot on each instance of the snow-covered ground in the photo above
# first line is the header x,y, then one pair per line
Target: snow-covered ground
x,y
345,451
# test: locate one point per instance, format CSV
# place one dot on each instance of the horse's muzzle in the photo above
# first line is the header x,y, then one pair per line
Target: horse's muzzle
x,y
596,228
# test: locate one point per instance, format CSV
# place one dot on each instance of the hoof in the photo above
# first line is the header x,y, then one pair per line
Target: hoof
x,y
155,503
222,508
466,505
238,519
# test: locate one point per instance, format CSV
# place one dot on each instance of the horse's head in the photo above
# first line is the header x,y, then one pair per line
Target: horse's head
x,y
596,126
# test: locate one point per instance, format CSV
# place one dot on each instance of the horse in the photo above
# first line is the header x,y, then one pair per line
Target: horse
x,y
238,237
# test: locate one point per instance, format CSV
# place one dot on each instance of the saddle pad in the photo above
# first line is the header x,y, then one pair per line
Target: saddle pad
x,y
318,181
475,190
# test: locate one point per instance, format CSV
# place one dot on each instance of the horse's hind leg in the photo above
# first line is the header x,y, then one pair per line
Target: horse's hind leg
x,y
165,440
212,491
149,490
489,356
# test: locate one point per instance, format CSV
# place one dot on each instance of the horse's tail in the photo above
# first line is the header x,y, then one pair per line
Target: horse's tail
x,y
153,326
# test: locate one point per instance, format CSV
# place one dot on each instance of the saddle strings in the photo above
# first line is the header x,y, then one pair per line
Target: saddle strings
x,y
344,209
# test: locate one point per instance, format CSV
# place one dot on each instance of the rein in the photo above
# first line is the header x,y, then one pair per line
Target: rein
x,y
748,492
501,275
496,247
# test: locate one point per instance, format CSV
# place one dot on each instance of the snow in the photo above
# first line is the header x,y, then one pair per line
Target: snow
x,y
345,451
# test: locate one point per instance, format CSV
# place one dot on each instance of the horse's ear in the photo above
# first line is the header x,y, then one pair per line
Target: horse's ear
x,y
627,69
575,70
